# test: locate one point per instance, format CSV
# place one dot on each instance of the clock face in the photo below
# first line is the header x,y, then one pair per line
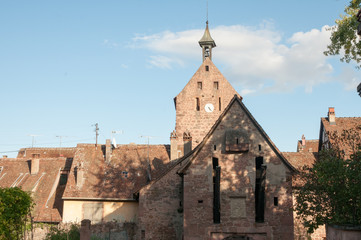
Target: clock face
x,y
209,107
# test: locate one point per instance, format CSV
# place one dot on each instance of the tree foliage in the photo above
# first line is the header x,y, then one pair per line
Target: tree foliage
x,y
62,234
329,191
344,38
15,208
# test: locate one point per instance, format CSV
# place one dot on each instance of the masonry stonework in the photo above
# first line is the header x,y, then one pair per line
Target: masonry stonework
x,y
209,87
237,185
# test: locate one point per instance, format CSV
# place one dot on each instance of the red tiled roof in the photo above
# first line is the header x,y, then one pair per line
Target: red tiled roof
x,y
300,159
121,176
16,172
47,152
342,123
310,146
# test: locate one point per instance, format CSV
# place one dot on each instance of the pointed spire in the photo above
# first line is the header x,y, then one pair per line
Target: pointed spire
x,y
207,43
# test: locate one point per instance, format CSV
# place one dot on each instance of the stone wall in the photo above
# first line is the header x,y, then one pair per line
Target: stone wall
x,y
199,122
160,211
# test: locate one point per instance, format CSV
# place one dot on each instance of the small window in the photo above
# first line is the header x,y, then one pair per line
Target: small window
x,y
207,68
142,235
214,147
215,85
219,104
237,141
199,85
198,105
206,52
275,201
200,201
63,179
259,147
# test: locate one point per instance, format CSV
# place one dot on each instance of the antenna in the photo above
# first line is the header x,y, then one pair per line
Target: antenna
x,y
113,138
96,130
60,138
33,139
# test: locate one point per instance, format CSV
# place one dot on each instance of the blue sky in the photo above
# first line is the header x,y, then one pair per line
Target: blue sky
x,y
66,65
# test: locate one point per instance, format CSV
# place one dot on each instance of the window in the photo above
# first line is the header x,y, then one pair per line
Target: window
x,y
207,68
219,104
214,147
199,85
215,85
216,191
259,147
198,105
63,179
93,212
206,52
275,201
260,189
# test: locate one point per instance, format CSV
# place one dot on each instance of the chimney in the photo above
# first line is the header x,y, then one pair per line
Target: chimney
x,y
108,150
331,116
79,176
35,162
173,145
187,140
303,140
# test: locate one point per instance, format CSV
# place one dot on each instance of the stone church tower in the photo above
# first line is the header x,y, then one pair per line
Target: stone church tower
x,y
200,102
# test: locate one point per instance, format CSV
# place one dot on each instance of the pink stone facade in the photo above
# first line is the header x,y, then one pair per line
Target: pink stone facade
x,y
209,87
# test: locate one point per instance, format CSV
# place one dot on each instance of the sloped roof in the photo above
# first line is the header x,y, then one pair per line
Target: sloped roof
x,y
43,185
300,159
47,152
310,146
342,123
119,178
236,100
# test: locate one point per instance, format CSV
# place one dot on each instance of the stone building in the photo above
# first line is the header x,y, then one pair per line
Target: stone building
x,y
231,181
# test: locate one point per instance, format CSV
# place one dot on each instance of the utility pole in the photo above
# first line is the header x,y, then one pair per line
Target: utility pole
x,y
96,134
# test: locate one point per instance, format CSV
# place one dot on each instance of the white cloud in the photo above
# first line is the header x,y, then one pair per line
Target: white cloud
x,y
256,58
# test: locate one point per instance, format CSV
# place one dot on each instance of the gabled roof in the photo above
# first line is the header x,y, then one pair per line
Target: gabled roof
x,y
121,176
43,186
235,100
310,146
300,159
342,123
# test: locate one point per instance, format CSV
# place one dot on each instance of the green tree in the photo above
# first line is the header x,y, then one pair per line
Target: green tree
x,y
344,38
329,191
63,234
15,208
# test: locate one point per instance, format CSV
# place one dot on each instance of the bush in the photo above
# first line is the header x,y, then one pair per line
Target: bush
x,y
15,208
62,234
